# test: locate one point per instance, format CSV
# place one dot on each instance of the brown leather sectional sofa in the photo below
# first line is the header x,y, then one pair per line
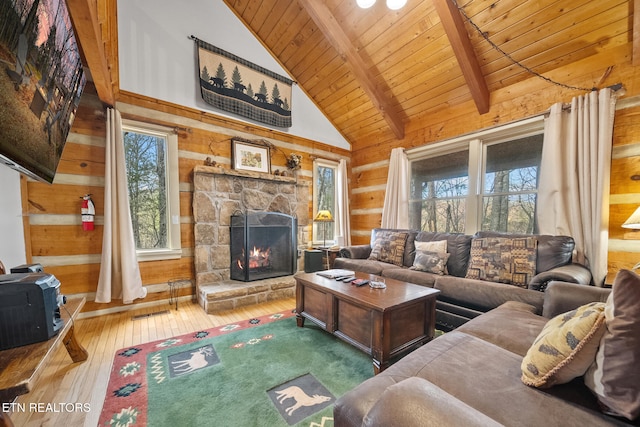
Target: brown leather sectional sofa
x,y
460,298
472,376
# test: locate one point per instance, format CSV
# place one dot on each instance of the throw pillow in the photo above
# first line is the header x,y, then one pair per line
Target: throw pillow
x,y
565,348
439,246
389,247
503,260
432,262
435,246
615,377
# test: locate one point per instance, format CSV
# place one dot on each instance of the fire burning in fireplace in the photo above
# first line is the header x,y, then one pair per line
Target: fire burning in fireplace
x,y
259,258
272,235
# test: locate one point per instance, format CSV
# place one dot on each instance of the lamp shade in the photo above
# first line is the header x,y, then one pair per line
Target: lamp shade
x,y
633,221
323,216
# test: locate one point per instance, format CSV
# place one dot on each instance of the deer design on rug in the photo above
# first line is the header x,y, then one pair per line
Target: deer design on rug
x,y
301,398
196,361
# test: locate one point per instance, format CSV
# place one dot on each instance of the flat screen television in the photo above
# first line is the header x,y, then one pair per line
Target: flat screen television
x,y
41,81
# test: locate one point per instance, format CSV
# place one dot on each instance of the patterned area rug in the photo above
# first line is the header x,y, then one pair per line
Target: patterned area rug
x,y
259,372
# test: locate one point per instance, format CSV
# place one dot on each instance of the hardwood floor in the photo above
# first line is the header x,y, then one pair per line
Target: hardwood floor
x,y
84,384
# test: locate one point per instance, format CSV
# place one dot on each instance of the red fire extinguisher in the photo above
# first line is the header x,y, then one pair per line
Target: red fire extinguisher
x,y
88,212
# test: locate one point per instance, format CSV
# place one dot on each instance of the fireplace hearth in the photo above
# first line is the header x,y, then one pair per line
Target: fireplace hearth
x,y
263,245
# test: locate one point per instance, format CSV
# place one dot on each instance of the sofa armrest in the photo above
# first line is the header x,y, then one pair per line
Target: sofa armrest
x,y
418,402
561,297
572,273
356,252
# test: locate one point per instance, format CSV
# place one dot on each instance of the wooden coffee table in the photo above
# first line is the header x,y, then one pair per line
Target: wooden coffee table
x,y
384,323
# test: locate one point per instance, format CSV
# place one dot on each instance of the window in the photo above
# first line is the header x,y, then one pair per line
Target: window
x,y
439,190
151,154
487,181
511,185
324,198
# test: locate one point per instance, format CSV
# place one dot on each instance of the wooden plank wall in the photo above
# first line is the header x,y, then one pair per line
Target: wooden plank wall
x,y
52,212
370,157
52,219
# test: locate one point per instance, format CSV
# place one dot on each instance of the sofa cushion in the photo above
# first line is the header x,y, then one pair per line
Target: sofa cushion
x,y
553,251
615,376
483,295
389,247
431,262
565,348
458,245
483,376
523,326
503,260
411,276
363,265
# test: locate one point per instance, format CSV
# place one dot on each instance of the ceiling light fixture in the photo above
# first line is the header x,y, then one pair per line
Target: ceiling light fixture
x,y
365,4
396,4
391,4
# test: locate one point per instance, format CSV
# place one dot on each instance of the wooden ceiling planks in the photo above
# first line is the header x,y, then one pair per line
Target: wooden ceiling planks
x,y
329,26
409,59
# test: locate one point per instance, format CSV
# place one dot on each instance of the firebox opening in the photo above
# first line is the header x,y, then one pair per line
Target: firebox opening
x,y
263,245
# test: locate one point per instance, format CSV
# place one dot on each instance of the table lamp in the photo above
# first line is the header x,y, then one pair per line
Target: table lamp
x,y
324,216
633,223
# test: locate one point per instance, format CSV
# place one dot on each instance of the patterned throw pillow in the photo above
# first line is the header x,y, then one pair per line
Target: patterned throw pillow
x,y
503,260
389,247
615,377
565,348
432,262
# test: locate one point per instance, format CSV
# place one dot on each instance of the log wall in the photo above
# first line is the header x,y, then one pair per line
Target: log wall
x,y
54,233
534,96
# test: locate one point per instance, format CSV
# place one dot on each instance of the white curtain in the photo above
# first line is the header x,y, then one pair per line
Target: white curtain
x,y
119,270
343,227
573,192
395,211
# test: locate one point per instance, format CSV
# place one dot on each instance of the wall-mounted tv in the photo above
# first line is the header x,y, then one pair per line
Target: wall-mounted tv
x,y
41,81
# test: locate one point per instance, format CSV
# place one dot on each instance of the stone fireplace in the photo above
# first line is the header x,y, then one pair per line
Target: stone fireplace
x,y
219,195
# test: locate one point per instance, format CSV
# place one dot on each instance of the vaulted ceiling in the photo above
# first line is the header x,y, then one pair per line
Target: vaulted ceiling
x,y
374,70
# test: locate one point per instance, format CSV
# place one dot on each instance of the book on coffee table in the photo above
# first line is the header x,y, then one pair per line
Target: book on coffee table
x,y
336,272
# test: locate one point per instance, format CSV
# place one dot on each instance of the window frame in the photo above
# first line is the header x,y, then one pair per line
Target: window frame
x,y
174,243
315,232
476,144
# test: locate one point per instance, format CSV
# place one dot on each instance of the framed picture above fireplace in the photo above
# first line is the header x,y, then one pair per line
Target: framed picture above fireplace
x,y
249,156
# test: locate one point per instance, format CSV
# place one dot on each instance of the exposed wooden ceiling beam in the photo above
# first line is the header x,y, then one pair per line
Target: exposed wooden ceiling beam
x,y
85,23
327,23
459,39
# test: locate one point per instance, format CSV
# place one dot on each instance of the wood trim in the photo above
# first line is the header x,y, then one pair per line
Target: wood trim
x,y
26,226
326,22
198,119
636,33
459,39
85,23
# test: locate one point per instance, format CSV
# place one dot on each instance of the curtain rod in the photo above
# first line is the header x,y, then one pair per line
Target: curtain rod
x,y
567,106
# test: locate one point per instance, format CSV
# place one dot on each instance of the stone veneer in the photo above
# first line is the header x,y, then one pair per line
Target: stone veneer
x,y
219,193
